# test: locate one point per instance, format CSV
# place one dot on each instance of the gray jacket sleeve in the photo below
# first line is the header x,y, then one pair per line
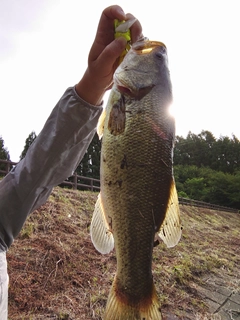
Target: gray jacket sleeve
x,y
52,157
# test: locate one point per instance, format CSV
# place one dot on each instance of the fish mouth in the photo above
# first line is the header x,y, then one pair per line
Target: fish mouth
x,y
145,46
125,90
136,94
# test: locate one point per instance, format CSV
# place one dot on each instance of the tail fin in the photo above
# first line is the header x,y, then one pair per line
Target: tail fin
x,y
119,308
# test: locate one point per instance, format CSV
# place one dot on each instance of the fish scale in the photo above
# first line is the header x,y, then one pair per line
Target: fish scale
x,y
138,199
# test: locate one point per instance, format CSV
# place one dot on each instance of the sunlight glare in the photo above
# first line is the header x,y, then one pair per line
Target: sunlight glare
x,y
172,110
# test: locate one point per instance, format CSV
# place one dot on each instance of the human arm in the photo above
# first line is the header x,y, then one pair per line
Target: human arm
x,y
52,158
64,139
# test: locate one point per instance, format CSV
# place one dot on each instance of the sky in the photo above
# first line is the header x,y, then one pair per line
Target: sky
x,y
44,47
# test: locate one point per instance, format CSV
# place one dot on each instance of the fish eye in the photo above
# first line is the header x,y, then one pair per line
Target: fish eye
x,y
161,52
159,55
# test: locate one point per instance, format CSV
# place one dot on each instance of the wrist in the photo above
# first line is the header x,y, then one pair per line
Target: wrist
x,y
89,91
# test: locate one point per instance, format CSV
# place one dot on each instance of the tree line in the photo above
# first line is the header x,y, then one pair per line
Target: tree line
x,y
208,169
205,168
204,150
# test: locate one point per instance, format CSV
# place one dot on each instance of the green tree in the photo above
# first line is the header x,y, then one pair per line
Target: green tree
x,y
196,188
227,154
195,149
4,155
234,187
219,188
208,185
32,136
90,164
204,150
206,154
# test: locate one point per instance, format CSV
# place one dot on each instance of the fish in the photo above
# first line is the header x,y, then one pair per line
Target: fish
x,y
138,203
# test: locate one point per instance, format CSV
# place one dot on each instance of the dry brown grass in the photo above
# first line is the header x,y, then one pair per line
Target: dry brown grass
x,y
55,272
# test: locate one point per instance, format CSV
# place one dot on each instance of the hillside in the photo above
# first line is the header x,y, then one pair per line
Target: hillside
x,y
55,272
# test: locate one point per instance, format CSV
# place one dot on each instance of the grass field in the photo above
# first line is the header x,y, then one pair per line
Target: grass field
x,y
55,272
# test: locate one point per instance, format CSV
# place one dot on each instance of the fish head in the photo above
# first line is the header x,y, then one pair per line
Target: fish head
x,y
144,67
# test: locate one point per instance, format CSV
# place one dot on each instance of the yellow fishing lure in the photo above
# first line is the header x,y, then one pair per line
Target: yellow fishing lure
x,y
122,29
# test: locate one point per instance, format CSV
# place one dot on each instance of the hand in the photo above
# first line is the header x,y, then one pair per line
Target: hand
x,y
104,54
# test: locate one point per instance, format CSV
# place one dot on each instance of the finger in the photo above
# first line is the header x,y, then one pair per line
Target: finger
x,y
136,29
111,53
105,30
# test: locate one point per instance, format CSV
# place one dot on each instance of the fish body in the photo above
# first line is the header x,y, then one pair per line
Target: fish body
x,y
138,199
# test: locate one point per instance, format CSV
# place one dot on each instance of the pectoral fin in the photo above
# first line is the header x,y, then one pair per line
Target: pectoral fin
x,y
100,230
117,117
171,229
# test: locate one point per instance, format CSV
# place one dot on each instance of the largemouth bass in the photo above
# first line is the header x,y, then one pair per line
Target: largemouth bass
x,y
138,199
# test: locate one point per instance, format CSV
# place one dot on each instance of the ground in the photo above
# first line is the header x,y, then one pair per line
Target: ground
x,y
55,272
